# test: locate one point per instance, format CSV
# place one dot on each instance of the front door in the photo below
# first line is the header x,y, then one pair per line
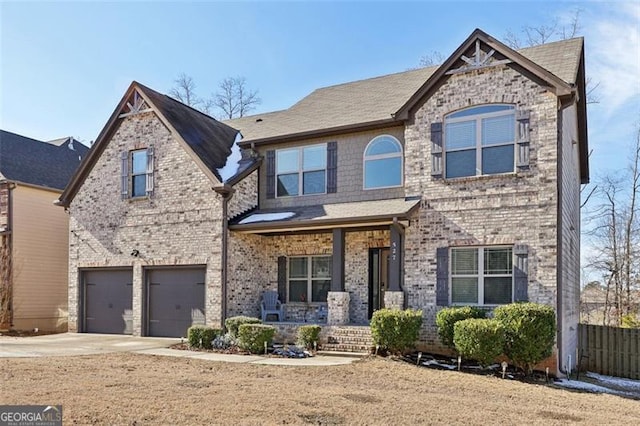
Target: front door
x,y
378,278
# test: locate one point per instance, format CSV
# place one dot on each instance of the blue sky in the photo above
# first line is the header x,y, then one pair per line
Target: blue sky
x,y
65,65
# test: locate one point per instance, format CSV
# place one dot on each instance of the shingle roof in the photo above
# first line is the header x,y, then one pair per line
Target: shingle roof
x,y
209,139
378,98
34,162
324,215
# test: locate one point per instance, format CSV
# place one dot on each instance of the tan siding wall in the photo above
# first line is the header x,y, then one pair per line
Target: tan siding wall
x,y
40,260
350,171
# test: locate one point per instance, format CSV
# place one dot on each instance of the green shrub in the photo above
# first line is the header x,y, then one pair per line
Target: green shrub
x,y
200,336
234,323
479,339
396,330
307,335
530,331
447,317
194,335
252,337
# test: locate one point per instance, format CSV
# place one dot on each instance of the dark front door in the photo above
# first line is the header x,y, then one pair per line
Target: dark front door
x,y
378,278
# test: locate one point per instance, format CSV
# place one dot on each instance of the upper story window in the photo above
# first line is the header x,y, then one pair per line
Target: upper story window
x,y
482,276
301,171
383,163
137,173
480,141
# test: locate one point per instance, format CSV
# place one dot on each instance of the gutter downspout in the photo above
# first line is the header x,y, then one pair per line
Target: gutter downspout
x,y
226,192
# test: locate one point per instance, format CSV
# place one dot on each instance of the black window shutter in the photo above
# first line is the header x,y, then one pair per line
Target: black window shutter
x,y
442,276
523,139
149,180
332,167
271,174
124,175
436,150
520,274
282,279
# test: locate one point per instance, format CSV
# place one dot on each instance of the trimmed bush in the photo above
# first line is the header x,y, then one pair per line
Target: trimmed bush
x,y
530,331
447,317
307,334
200,336
252,337
234,323
479,339
396,330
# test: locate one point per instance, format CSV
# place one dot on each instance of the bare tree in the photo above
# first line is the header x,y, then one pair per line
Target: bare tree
x,y
234,98
433,58
184,91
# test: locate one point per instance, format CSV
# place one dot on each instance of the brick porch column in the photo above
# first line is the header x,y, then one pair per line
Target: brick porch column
x,y
338,307
394,299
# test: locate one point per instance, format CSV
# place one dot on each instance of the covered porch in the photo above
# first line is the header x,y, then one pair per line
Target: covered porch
x,y
336,263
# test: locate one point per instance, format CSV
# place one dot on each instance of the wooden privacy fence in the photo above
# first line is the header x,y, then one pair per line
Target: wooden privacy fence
x,y
610,350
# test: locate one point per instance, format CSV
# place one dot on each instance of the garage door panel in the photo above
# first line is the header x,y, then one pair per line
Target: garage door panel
x,y
108,302
176,301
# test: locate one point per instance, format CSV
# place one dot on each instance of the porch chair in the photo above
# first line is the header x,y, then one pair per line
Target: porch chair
x,y
271,305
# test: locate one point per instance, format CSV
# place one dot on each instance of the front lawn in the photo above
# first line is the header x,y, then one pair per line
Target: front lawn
x,y
127,388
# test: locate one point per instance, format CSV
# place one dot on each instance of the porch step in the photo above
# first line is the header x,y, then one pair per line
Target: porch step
x,y
346,348
343,354
355,339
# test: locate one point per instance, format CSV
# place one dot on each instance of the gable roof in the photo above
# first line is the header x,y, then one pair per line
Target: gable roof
x,y
207,140
33,162
381,101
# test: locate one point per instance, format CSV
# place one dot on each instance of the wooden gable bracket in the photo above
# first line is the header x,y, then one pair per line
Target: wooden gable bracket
x,y
480,59
135,105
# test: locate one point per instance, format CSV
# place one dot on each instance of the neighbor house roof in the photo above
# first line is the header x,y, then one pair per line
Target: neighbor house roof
x,y
33,162
325,216
207,140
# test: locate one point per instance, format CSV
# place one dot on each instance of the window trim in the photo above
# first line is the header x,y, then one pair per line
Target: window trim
x,y
300,171
481,275
477,118
132,175
309,278
366,158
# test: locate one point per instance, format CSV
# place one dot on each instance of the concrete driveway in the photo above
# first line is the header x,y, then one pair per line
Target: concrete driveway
x,y
68,344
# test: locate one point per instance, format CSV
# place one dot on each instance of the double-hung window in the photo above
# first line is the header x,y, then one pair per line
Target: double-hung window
x,y
480,141
137,173
481,276
383,163
309,278
301,171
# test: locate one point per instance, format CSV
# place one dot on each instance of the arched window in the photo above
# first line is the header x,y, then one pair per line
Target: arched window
x,y
383,163
480,140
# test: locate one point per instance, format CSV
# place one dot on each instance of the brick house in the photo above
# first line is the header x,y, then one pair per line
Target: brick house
x,y
33,232
456,184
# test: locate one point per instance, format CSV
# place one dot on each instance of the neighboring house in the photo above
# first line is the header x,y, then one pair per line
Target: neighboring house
x,y
34,233
449,185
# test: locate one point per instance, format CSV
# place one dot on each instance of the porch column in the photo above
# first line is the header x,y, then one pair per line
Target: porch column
x,y
394,296
337,268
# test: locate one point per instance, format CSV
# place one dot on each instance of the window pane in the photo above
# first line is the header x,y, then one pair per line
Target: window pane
x,y
298,291
498,130
313,182
497,159
319,290
464,261
484,109
139,162
287,160
497,290
321,267
460,135
139,186
287,184
464,290
298,267
314,157
383,145
461,163
498,261
384,172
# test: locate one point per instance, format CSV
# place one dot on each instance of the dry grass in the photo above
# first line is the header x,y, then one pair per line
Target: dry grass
x,y
139,389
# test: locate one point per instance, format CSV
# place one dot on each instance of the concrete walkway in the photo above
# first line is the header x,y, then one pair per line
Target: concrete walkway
x,y
75,344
